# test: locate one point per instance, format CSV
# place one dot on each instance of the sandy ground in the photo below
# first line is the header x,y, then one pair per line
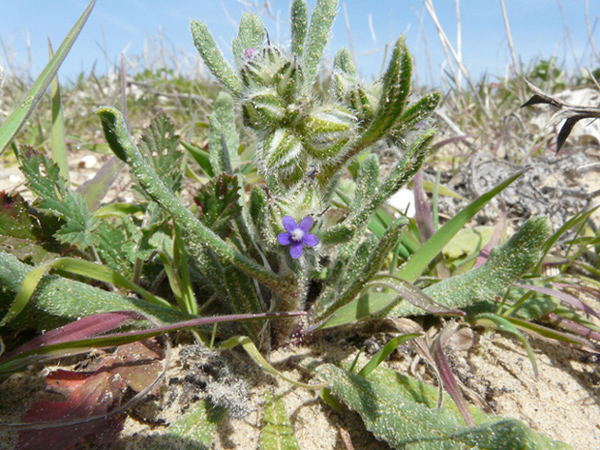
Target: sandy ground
x,y
563,402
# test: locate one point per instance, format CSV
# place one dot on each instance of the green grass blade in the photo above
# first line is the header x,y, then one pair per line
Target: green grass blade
x,y
253,352
19,115
385,352
502,323
58,300
421,259
59,148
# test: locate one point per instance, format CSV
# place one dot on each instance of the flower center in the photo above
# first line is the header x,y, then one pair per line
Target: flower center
x,y
297,235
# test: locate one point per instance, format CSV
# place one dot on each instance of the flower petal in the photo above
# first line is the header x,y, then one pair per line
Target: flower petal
x,y
284,238
289,223
296,250
310,240
306,223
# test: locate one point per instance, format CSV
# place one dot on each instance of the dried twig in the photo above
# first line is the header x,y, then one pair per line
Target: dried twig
x,y
571,114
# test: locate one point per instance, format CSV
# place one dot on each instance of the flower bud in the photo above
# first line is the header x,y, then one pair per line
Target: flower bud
x,y
282,151
288,80
327,129
263,109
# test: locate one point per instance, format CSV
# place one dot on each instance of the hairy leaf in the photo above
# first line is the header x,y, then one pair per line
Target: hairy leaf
x,y
277,432
197,426
214,59
404,423
321,22
299,21
251,34
224,141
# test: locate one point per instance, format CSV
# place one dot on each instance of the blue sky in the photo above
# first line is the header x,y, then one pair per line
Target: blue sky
x,y
115,26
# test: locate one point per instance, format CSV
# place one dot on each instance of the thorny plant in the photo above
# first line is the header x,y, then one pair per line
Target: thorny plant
x,y
291,239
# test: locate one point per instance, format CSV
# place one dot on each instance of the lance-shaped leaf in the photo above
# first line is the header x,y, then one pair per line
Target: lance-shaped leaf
x,y
200,236
343,61
159,144
379,304
59,148
214,59
347,266
367,181
251,35
505,265
277,432
361,275
224,141
415,113
427,253
321,22
401,174
243,298
299,19
198,425
56,300
396,87
395,414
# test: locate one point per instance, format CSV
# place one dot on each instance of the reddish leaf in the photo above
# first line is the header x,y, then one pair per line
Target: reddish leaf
x,y
80,329
91,394
15,220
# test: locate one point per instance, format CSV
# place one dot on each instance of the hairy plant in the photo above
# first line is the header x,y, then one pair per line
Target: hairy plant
x,y
295,222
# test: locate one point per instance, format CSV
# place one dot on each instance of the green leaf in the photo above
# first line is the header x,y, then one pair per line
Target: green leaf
x,y
196,427
321,22
394,414
343,61
17,118
223,141
424,255
251,34
214,59
379,304
201,156
396,87
277,432
59,148
243,298
218,201
200,237
505,265
159,145
57,300
361,274
299,19
367,181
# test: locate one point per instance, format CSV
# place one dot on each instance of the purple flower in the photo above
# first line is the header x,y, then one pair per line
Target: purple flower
x,y
249,52
297,235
